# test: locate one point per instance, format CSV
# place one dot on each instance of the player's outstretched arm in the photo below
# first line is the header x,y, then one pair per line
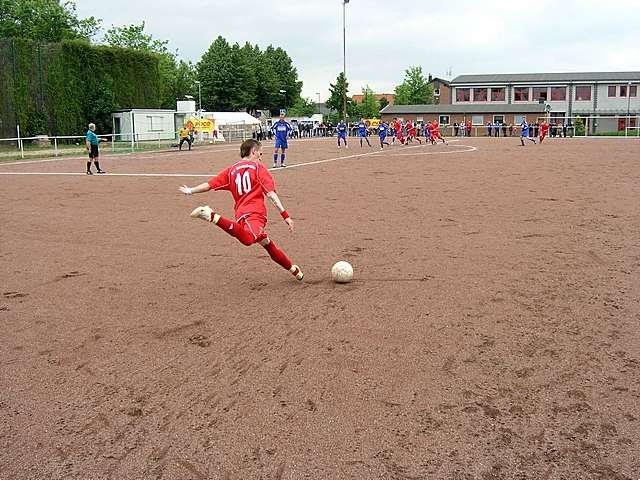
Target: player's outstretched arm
x,y
273,196
203,187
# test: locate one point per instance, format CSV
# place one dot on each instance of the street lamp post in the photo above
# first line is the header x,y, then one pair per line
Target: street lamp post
x,y
318,93
199,96
344,60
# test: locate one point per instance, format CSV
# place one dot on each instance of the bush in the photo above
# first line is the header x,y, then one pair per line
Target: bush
x,y
58,88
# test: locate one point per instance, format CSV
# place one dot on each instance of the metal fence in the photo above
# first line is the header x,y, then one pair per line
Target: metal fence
x,y
44,146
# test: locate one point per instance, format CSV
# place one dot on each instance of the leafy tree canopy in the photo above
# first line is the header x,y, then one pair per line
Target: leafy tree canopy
x,y
44,21
415,89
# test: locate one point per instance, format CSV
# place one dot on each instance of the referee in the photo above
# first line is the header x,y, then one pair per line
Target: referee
x,y
92,142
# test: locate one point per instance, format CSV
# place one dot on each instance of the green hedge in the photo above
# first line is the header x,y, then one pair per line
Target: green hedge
x,y
58,88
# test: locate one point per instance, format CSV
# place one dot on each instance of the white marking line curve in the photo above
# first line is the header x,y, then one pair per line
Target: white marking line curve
x,y
469,148
315,162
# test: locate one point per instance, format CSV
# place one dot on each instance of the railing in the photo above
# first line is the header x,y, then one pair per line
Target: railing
x,y
64,145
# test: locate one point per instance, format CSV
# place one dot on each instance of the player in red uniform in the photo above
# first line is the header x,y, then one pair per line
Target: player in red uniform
x,y
435,133
411,133
397,127
248,181
544,130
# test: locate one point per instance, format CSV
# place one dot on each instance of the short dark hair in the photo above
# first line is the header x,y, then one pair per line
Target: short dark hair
x,y
247,146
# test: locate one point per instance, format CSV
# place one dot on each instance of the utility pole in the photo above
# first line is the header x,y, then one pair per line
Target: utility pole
x,y
344,60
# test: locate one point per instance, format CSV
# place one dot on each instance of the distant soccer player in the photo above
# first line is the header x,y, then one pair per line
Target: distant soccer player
x,y
362,132
342,128
524,132
411,133
435,133
382,134
281,130
397,128
248,181
544,130
427,133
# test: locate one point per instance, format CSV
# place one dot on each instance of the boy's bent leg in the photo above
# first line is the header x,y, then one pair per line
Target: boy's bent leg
x,y
281,258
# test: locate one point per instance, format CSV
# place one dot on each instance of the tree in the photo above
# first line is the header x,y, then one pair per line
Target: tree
x,y
185,80
383,102
304,107
414,90
334,102
215,72
286,74
133,36
369,107
44,21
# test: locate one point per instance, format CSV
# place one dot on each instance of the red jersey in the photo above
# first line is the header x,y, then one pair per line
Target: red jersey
x,y
397,126
544,128
248,182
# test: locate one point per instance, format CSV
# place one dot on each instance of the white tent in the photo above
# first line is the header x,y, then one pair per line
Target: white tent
x,y
231,118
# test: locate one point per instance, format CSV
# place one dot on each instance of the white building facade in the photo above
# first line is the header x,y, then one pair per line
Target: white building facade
x,y
611,98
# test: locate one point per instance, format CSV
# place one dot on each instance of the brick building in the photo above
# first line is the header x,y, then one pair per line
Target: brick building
x,y
609,96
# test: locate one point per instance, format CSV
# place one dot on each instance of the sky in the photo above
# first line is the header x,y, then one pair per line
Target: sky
x,y
384,37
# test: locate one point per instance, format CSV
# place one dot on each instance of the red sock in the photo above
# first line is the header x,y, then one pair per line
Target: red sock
x,y
237,231
278,255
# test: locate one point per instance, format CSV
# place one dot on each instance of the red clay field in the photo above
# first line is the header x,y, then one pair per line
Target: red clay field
x,y
491,330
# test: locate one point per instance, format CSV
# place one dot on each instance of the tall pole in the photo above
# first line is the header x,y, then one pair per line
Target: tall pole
x,y
627,120
344,60
199,96
318,93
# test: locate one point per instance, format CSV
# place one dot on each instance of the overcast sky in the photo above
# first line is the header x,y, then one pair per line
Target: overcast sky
x,y
384,37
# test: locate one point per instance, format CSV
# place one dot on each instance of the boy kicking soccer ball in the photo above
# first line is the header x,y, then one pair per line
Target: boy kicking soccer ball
x,y
248,181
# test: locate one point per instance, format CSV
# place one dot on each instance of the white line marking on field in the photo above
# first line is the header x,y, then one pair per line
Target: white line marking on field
x,y
208,175
112,174
468,148
316,162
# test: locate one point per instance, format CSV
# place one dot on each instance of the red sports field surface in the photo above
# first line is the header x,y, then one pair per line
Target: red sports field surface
x,y
491,331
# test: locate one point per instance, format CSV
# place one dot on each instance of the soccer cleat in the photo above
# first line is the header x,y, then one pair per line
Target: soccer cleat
x,y
275,165
204,213
296,272
101,171
89,172
283,165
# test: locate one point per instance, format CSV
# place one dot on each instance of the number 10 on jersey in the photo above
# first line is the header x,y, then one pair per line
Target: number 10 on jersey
x,y
243,183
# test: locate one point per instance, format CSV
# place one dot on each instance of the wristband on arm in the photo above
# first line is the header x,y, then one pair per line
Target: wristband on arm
x,y
284,214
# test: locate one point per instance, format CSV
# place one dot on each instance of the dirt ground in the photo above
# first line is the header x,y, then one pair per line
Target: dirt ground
x,y
491,331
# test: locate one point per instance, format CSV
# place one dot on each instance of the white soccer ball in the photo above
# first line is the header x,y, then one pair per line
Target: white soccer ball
x,y
342,272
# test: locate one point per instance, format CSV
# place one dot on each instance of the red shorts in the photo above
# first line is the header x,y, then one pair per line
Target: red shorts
x,y
254,224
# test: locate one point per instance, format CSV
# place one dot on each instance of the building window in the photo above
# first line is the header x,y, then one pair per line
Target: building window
x,y
540,93
477,120
479,94
463,94
155,123
558,94
498,119
517,119
436,92
633,91
497,94
612,91
583,93
623,90
444,119
521,94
